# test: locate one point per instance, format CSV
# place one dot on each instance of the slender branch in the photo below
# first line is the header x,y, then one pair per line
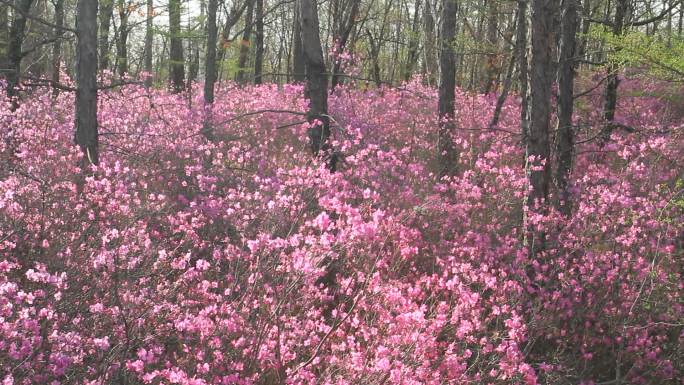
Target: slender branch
x,y
653,19
38,19
594,63
119,84
327,335
43,42
590,90
291,124
598,21
638,23
238,117
40,82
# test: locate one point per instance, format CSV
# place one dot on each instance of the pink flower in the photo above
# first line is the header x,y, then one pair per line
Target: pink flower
x,y
101,343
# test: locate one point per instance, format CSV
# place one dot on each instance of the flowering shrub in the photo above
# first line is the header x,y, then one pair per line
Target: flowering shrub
x,y
244,261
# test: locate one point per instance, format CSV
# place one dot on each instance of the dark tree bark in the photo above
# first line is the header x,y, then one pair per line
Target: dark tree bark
x,y
283,54
504,92
57,46
86,80
612,80
430,59
210,65
376,43
565,140
448,155
193,66
106,12
149,36
582,45
259,42
342,36
177,63
210,72
160,60
521,54
397,46
491,67
122,41
4,38
245,44
412,56
375,53
669,27
538,162
540,98
14,54
316,78
298,62
508,79
231,19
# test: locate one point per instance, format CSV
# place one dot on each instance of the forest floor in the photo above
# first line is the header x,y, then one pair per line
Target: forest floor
x,y
245,261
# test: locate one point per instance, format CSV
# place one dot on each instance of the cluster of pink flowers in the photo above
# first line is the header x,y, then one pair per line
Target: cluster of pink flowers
x,y
339,55
245,261
348,61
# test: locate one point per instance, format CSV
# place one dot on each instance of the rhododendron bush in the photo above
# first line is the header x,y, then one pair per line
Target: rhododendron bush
x,y
245,261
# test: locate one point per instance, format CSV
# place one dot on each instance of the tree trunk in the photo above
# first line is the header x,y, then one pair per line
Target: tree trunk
x,y
177,63
582,45
160,60
394,62
57,46
375,57
259,42
221,50
412,55
106,12
193,66
376,43
565,140
149,36
86,81
232,18
538,162
504,93
210,72
612,81
448,155
283,52
14,54
341,37
521,54
210,65
316,79
122,41
668,27
298,61
244,45
430,58
4,38
492,67
193,62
